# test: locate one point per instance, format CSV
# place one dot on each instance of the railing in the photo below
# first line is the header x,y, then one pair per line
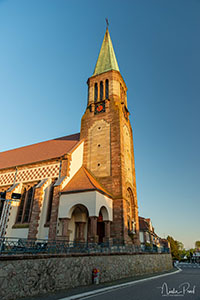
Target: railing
x,y
10,246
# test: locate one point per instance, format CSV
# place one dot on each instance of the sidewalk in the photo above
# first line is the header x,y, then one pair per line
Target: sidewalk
x,y
83,289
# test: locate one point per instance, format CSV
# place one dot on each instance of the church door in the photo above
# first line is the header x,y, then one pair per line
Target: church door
x,y
100,228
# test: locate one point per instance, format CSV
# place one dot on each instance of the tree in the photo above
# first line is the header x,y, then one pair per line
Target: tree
x,y
176,248
180,246
197,245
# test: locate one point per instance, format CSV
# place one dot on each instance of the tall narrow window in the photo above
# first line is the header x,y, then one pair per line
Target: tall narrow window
x,y
107,89
101,90
50,201
21,206
25,207
28,206
95,92
2,196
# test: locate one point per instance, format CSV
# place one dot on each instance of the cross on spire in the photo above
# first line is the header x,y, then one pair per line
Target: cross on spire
x,y
107,22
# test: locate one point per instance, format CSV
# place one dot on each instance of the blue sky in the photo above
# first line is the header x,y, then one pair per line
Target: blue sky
x,y
48,49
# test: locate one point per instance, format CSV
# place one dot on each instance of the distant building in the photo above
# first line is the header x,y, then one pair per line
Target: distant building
x,y
196,256
80,187
148,238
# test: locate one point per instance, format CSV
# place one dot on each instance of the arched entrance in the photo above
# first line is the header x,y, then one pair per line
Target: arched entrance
x,y
102,224
82,223
80,216
77,225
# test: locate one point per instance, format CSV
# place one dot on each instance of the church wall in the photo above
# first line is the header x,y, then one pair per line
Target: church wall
x,y
99,149
65,272
11,222
19,233
42,230
68,201
75,163
103,200
77,160
31,172
127,154
91,94
115,87
93,201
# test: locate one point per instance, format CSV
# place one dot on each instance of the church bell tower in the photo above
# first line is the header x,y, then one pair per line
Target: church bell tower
x,y
108,147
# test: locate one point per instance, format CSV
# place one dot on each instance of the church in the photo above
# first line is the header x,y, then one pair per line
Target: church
x,y
80,187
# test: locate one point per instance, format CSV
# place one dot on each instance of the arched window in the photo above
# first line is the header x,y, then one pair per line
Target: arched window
x,y
95,92
25,208
28,206
130,207
50,201
130,196
21,207
101,90
107,89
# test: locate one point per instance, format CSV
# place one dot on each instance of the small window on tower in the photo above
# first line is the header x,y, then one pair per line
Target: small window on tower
x,y
101,90
95,92
107,89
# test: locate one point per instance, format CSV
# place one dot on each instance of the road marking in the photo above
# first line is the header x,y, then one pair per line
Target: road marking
x,y
115,287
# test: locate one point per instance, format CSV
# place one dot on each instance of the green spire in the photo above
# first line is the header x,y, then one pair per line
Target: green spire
x,y
107,60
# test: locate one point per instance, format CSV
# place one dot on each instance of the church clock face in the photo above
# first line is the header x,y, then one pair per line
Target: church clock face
x,y
100,108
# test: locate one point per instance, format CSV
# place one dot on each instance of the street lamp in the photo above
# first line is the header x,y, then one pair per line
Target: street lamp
x,y
6,209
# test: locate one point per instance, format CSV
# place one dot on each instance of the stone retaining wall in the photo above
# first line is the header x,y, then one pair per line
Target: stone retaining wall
x,y
31,275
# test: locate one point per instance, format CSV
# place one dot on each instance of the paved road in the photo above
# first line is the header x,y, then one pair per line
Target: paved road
x,y
188,266
185,284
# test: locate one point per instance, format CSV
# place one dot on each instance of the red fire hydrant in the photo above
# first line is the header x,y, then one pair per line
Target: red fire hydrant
x,y
95,276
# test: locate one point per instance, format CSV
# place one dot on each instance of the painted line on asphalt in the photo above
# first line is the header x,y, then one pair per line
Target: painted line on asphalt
x,y
115,287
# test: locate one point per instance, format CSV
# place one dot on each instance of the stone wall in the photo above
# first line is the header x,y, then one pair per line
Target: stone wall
x,y
32,275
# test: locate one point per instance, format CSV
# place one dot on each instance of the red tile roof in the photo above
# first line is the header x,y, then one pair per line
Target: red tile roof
x,y
83,181
38,152
143,224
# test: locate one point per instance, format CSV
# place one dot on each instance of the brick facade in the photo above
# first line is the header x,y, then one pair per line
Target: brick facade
x,y
116,115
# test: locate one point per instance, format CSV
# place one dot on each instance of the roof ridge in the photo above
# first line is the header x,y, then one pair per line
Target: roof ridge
x,y
103,189
54,139
38,152
86,172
